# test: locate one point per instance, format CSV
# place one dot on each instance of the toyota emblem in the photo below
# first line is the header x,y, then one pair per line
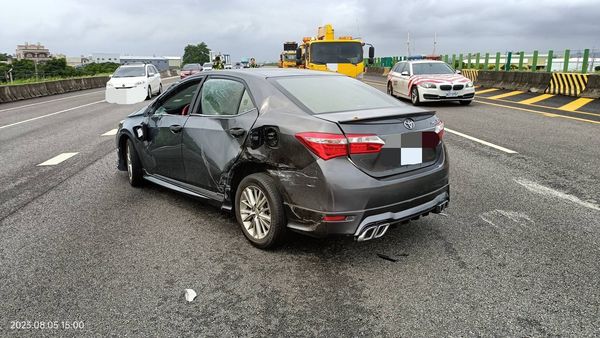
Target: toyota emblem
x,y
409,123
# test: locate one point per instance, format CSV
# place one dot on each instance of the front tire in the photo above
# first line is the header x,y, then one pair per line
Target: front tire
x,y
259,211
149,96
134,166
414,96
160,89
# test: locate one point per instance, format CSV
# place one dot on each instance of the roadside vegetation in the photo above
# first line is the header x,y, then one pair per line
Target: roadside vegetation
x,y
196,54
26,71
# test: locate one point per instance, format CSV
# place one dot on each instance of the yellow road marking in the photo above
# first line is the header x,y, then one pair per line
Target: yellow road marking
x,y
539,112
536,99
546,107
501,96
486,91
576,104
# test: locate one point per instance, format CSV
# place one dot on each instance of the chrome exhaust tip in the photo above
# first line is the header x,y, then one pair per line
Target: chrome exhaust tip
x,y
373,231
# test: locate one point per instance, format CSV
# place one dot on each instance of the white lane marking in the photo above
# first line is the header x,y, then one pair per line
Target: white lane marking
x,y
549,192
111,132
506,150
62,98
57,159
51,114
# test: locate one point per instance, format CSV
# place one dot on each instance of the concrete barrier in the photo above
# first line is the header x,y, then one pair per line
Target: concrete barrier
x,y
592,90
470,74
570,84
375,70
31,90
536,82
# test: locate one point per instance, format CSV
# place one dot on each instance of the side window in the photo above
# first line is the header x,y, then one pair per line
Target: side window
x,y
178,102
246,103
155,70
149,70
221,97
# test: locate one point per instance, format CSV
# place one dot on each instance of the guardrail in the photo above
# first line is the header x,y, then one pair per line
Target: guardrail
x,y
31,90
577,61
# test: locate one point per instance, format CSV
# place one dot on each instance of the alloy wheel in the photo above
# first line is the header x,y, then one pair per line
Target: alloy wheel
x,y
255,212
415,96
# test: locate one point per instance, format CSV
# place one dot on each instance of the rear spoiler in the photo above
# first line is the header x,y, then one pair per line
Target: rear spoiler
x,y
373,114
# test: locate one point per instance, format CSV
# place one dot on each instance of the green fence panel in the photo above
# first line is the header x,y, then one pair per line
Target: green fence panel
x,y
497,68
469,61
566,60
453,60
477,56
586,57
508,62
549,61
521,56
486,61
534,61
460,61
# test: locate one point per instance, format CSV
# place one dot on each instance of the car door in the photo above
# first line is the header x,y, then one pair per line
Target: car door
x,y
393,76
403,79
153,78
214,135
164,126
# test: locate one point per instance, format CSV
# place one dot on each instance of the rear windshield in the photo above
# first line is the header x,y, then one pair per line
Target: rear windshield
x,y
326,94
431,68
190,66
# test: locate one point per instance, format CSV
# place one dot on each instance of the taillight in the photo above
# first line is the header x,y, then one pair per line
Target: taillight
x,y
439,129
327,146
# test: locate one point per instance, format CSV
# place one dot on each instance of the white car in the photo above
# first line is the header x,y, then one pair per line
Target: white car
x,y
428,81
133,83
207,66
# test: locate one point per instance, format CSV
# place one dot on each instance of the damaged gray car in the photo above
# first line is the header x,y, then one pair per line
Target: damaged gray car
x,y
290,150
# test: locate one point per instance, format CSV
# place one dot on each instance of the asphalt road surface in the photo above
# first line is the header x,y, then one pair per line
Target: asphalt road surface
x,y
515,254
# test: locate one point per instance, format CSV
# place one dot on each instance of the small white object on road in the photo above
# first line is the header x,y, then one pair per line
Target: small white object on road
x,y
111,132
506,150
58,159
190,295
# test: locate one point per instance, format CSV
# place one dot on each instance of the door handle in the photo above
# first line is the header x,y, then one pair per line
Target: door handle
x,y
237,132
175,128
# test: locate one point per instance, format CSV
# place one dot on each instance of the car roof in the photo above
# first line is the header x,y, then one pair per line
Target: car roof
x,y
425,61
133,65
264,73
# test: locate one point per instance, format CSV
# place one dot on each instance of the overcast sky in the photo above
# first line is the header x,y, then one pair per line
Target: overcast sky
x,y
258,28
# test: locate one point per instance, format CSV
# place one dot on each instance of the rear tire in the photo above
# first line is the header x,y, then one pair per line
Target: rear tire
x,y
390,89
465,103
134,166
259,211
160,89
149,96
414,96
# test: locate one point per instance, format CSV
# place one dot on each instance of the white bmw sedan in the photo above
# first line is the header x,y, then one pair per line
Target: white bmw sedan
x,y
133,83
427,81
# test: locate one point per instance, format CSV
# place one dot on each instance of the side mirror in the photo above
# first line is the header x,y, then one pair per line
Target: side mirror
x,y
458,72
371,52
404,73
298,56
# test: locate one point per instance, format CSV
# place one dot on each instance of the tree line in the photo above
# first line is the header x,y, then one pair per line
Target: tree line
x,y
27,69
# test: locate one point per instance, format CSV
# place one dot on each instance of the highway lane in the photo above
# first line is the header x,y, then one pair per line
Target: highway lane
x,y
78,128
515,254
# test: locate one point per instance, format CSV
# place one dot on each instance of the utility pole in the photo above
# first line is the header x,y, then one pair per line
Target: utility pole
x,y
407,44
434,42
35,67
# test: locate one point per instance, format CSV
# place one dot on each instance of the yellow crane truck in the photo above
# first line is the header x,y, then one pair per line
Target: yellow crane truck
x,y
287,58
328,53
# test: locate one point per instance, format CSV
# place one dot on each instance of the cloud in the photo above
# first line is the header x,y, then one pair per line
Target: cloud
x,y
259,28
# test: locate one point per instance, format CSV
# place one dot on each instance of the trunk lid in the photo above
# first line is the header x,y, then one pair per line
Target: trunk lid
x,y
409,135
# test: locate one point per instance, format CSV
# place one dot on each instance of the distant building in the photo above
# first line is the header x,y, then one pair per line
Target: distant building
x,y
33,52
77,61
174,61
105,57
159,62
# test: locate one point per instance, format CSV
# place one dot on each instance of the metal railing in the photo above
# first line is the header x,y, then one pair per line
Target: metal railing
x,y
575,61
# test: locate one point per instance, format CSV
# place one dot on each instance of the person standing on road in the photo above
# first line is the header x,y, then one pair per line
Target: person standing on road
x,y
218,64
253,63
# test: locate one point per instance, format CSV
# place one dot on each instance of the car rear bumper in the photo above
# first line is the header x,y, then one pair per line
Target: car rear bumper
x,y
368,224
340,189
